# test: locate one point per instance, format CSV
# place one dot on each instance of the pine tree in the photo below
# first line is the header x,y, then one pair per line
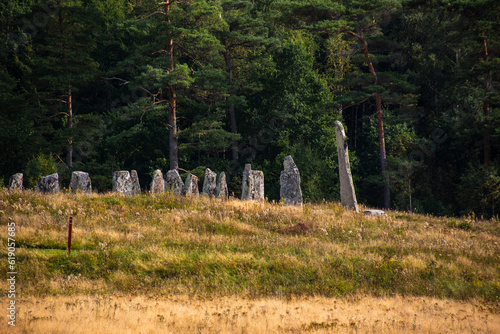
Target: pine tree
x,y
63,62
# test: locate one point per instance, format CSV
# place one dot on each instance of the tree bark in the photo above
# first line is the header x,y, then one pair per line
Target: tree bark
x,y
486,114
172,108
69,153
380,119
232,111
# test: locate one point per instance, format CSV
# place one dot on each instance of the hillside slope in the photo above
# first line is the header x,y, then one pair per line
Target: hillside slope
x,y
161,245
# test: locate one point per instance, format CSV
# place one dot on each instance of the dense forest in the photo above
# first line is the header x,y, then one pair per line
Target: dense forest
x,y
106,85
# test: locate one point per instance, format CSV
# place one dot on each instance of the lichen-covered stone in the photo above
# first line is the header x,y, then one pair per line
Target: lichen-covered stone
x,y
245,189
253,184
16,182
191,185
173,183
221,190
209,183
157,184
290,190
48,184
347,193
374,213
122,183
80,181
136,186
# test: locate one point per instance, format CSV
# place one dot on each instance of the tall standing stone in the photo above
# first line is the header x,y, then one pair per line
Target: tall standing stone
x,y
253,184
122,183
173,183
48,184
157,184
136,186
347,194
290,183
210,183
221,190
80,181
16,182
245,186
191,185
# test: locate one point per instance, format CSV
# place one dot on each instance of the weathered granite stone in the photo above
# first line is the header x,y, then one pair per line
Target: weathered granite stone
x,y
173,183
16,182
157,184
347,194
191,185
253,184
80,181
221,190
210,183
136,186
122,183
290,183
245,182
374,212
48,184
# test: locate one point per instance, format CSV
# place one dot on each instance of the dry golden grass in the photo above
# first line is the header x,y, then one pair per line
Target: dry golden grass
x,y
181,314
150,264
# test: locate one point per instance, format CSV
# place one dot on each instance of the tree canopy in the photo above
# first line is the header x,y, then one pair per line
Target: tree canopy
x,y
102,85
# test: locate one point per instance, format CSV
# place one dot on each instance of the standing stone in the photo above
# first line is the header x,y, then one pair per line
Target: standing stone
x,y
16,182
221,190
253,184
210,183
290,183
173,183
122,183
136,186
80,181
191,185
158,184
245,187
347,194
48,184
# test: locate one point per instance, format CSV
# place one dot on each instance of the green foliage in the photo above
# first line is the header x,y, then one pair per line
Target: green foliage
x,y
40,165
484,200
253,81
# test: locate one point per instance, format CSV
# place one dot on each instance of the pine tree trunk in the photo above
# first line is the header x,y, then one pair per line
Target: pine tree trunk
x,y
380,120
69,153
172,108
486,114
383,159
232,112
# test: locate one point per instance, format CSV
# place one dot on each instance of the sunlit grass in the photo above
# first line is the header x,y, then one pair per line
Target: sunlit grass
x,y
209,248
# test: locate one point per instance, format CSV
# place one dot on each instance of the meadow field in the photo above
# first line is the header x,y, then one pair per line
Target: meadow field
x,y
150,264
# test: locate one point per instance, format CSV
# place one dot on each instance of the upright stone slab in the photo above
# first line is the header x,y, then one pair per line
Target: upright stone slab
x,y
16,182
191,185
48,184
253,184
210,183
221,190
157,184
173,183
245,186
290,183
122,183
347,194
80,181
136,186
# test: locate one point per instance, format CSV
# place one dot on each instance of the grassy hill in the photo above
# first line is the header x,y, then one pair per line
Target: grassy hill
x,y
163,245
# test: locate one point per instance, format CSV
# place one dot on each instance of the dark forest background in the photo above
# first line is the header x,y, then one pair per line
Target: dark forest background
x,y
106,85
